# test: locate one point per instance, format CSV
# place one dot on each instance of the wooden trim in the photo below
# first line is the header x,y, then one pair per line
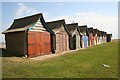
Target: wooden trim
x,y
26,38
37,31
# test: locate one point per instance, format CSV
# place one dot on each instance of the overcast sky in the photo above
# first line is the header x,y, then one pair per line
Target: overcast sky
x,y
100,15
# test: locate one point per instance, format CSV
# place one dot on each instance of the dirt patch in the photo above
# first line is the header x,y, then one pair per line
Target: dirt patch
x,y
51,55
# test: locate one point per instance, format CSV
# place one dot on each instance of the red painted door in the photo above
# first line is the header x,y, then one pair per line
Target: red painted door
x,y
45,43
38,43
31,44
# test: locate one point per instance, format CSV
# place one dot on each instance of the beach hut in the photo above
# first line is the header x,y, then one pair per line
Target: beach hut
x,y
84,33
28,36
91,38
109,37
100,37
74,37
60,38
80,34
104,36
95,32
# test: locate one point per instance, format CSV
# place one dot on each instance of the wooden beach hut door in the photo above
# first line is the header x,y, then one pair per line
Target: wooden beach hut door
x,y
74,42
77,41
34,45
58,42
45,46
38,43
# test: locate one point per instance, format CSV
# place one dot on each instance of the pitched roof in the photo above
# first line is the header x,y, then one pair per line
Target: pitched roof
x,y
104,33
95,31
82,28
90,30
56,25
72,27
98,32
101,33
24,23
109,35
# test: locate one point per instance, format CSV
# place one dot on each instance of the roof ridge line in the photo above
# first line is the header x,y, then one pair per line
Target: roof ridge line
x,y
27,16
56,21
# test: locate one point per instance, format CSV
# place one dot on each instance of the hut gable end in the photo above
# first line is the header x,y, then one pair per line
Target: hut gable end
x,y
76,32
83,29
90,30
57,26
37,27
28,22
72,28
61,30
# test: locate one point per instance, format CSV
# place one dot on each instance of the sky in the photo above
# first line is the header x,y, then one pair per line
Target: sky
x,y
100,15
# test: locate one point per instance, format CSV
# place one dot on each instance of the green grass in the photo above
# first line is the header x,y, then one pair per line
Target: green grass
x,y
85,63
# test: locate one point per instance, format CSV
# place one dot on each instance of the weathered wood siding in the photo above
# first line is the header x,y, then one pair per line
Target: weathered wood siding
x,y
67,42
62,40
16,43
57,43
77,41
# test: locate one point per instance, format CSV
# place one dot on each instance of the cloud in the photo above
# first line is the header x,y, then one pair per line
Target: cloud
x,y
24,10
92,19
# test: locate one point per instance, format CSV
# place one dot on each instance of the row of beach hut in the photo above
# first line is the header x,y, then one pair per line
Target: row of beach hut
x,y
32,36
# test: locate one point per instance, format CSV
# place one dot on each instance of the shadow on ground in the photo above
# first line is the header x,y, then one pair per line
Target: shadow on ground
x,y
4,53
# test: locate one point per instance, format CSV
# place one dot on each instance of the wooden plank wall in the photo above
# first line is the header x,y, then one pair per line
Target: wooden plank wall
x,y
15,43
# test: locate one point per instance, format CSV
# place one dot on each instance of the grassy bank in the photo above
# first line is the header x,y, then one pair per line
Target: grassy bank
x,y
85,63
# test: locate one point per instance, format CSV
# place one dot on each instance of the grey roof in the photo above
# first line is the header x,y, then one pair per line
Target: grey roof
x,y
95,31
109,35
56,25
82,29
90,30
104,33
24,23
98,32
101,33
72,27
